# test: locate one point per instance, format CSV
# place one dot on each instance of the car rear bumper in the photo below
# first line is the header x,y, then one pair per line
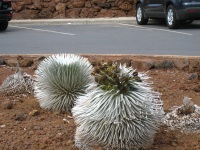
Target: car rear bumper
x,y
6,15
189,13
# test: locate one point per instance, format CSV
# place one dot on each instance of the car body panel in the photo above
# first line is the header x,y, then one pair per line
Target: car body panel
x,y
155,8
186,9
5,10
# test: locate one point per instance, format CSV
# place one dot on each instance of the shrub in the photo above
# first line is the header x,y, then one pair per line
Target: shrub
x,y
119,111
60,79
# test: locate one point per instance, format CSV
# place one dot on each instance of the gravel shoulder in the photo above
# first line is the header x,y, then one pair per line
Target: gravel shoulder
x,y
25,125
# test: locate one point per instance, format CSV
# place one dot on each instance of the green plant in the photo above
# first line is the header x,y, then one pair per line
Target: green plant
x,y
111,78
119,111
60,80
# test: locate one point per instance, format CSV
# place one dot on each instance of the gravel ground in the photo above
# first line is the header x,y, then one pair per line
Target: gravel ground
x,y
24,125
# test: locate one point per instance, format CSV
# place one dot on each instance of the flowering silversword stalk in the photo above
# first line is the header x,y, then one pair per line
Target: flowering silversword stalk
x,y
60,80
120,110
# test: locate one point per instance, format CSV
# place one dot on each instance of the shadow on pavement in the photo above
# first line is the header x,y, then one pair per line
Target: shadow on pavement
x,y
162,23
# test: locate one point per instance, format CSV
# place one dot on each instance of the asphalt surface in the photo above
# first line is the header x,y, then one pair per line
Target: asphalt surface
x,y
99,36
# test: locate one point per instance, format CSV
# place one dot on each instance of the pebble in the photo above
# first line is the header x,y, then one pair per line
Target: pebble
x,y
193,76
58,137
37,128
34,113
174,144
42,146
69,142
47,141
7,105
3,126
20,117
56,113
197,88
70,117
31,132
65,120
2,62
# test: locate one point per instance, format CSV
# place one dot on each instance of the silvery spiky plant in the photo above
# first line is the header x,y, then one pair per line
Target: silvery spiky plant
x,y
17,83
120,110
60,79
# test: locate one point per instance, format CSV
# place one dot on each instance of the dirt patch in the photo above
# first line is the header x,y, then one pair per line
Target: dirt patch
x,y
20,129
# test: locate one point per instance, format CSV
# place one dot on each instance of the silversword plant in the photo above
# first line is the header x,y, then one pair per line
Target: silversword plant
x,y
18,83
60,80
119,111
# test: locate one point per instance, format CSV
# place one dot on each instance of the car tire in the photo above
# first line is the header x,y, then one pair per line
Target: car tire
x,y
3,25
140,18
171,19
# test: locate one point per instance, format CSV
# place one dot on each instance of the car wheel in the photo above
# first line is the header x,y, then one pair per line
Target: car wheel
x,y
141,20
172,22
3,25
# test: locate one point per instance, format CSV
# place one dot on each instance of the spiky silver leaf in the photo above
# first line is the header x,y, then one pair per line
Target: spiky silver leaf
x,y
17,83
60,79
117,120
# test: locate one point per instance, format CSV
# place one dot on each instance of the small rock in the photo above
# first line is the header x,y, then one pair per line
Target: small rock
x,y
47,141
70,117
37,128
2,62
3,126
197,88
12,62
182,64
38,61
42,118
146,64
58,137
24,62
20,117
56,113
65,120
194,143
31,132
164,64
42,146
174,144
7,105
193,76
69,142
194,66
34,113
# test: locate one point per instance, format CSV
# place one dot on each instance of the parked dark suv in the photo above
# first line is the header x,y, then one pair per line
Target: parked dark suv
x,y
174,11
5,13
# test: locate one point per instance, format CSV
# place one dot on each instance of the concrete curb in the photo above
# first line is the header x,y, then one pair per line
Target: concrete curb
x,y
73,21
132,56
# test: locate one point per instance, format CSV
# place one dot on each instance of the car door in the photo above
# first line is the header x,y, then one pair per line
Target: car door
x,y
195,3
155,8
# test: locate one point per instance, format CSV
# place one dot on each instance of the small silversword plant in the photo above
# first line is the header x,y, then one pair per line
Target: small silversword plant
x,y
119,111
60,79
18,83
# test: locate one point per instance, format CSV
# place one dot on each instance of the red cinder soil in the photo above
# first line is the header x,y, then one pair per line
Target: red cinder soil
x,y
47,130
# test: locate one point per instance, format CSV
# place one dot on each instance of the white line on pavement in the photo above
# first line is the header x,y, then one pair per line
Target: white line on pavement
x,y
42,30
155,29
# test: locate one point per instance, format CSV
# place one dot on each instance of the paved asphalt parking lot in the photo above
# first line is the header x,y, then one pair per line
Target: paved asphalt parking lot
x,y
124,37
